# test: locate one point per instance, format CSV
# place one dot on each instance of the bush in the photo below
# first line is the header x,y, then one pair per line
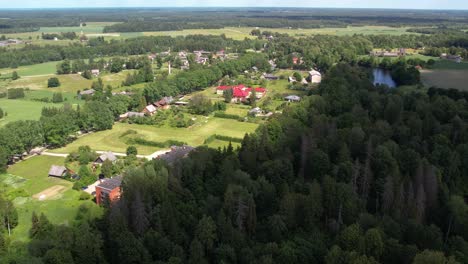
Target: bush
x,y
53,82
165,144
227,116
57,98
15,76
132,150
222,138
15,93
85,195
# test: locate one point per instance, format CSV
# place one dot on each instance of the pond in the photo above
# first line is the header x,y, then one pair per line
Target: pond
x,y
383,77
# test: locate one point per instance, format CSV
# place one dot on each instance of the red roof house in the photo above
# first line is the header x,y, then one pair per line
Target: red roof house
x,y
241,93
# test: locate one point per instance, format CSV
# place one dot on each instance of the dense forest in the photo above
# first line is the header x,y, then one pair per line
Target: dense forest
x,y
164,19
353,174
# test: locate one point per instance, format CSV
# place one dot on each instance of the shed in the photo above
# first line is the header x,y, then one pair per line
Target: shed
x,y
57,171
106,156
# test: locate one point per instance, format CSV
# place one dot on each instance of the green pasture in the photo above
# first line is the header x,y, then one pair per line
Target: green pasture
x,y
115,139
446,78
47,68
30,177
21,110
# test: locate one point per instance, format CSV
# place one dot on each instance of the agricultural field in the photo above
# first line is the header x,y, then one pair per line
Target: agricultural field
x,y
68,83
21,110
445,78
240,33
28,183
47,68
115,139
29,109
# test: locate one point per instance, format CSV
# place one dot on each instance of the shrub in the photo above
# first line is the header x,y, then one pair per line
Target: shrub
x,y
53,82
15,93
132,150
84,195
227,116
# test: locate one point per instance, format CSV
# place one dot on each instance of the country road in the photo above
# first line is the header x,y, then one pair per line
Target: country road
x,y
149,157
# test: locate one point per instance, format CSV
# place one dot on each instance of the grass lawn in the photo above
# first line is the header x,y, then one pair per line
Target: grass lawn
x,y
47,68
240,33
194,136
445,78
91,27
21,110
450,65
26,109
68,83
31,177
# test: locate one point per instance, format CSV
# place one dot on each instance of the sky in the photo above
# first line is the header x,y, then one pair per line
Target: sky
x,y
402,4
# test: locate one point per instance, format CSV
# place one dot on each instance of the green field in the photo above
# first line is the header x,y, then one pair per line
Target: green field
x,y
68,83
21,110
47,68
195,136
30,177
445,78
239,33
91,27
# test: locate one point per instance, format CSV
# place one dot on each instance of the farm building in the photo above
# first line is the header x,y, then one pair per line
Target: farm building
x,y
87,92
106,156
270,77
291,79
176,153
108,190
241,93
57,171
130,114
455,58
292,98
314,77
150,109
95,72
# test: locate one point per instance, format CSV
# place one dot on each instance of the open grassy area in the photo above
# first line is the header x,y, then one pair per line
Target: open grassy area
x,y
21,110
29,177
445,78
47,68
28,109
91,27
68,83
194,136
239,33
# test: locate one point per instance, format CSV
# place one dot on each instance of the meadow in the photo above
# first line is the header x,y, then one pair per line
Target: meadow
x,y
445,78
21,110
240,33
27,178
116,138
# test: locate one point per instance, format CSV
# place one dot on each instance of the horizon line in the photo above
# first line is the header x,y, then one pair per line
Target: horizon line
x,y
230,7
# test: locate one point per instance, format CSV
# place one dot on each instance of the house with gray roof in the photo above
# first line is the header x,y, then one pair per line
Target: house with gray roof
x,y
106,156
57,171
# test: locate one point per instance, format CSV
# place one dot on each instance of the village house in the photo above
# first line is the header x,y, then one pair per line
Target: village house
x,y
106,156
314,77
130,115
95,72
150,110
255,111
384,53
86,93
164,103
455,58
269,76
108,190
241,93
176,153
292,98
57,171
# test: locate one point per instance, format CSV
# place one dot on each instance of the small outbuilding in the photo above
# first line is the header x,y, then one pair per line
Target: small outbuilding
x,y
57,171
292,98
106,156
